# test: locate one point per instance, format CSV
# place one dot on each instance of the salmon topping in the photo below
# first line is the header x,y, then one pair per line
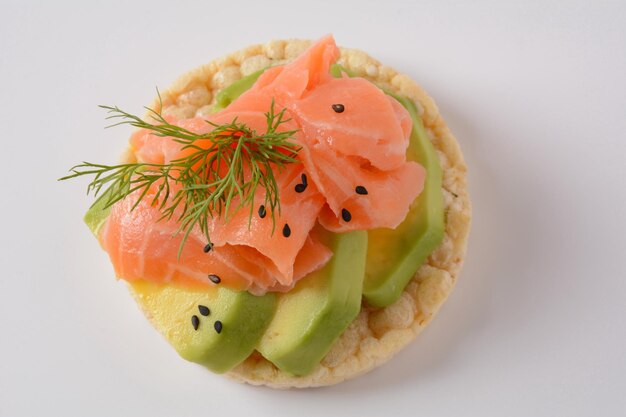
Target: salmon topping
x,y
351,174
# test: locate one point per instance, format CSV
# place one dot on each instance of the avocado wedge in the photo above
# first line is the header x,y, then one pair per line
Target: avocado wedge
x,y
394,255
96,216
216,327
233,91
311,316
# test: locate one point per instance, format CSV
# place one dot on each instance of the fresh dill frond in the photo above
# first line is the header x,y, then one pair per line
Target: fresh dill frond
x,y
219,173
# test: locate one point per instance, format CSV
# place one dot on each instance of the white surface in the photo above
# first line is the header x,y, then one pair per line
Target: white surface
x,y
535,93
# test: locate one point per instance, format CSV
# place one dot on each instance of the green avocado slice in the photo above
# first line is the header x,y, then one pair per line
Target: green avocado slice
x,y
96,216
189,318
394,255
218,328
311,316
233,91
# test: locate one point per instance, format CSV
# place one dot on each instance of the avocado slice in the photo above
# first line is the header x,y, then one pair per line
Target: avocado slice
x,y
189,318
337,71
218,328
233,91
394,255
312,315
97,215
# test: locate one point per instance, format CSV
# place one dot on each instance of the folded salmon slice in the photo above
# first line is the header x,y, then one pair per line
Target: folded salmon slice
x,y
258,258
352,135
357,146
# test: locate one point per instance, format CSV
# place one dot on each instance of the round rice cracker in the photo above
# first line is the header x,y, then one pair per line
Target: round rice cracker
x,y
377,333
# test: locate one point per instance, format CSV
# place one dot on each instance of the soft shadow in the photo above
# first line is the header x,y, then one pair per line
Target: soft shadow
x,y
500,246
467,309
500,232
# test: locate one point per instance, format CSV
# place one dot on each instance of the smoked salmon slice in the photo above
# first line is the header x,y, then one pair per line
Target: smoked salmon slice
x,y
352,174
258,258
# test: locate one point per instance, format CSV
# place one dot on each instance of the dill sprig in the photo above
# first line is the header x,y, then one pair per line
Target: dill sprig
x,y
219,173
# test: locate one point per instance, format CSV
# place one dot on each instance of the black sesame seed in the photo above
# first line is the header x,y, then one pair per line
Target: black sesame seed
x,y
204,310
208,248
286,230
345,215
300,188
304,180
215,279
338,108
195,322
218,326
262,211
361,190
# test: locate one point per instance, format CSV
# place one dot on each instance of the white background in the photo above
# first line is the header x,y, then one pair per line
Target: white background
x,y
535,93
